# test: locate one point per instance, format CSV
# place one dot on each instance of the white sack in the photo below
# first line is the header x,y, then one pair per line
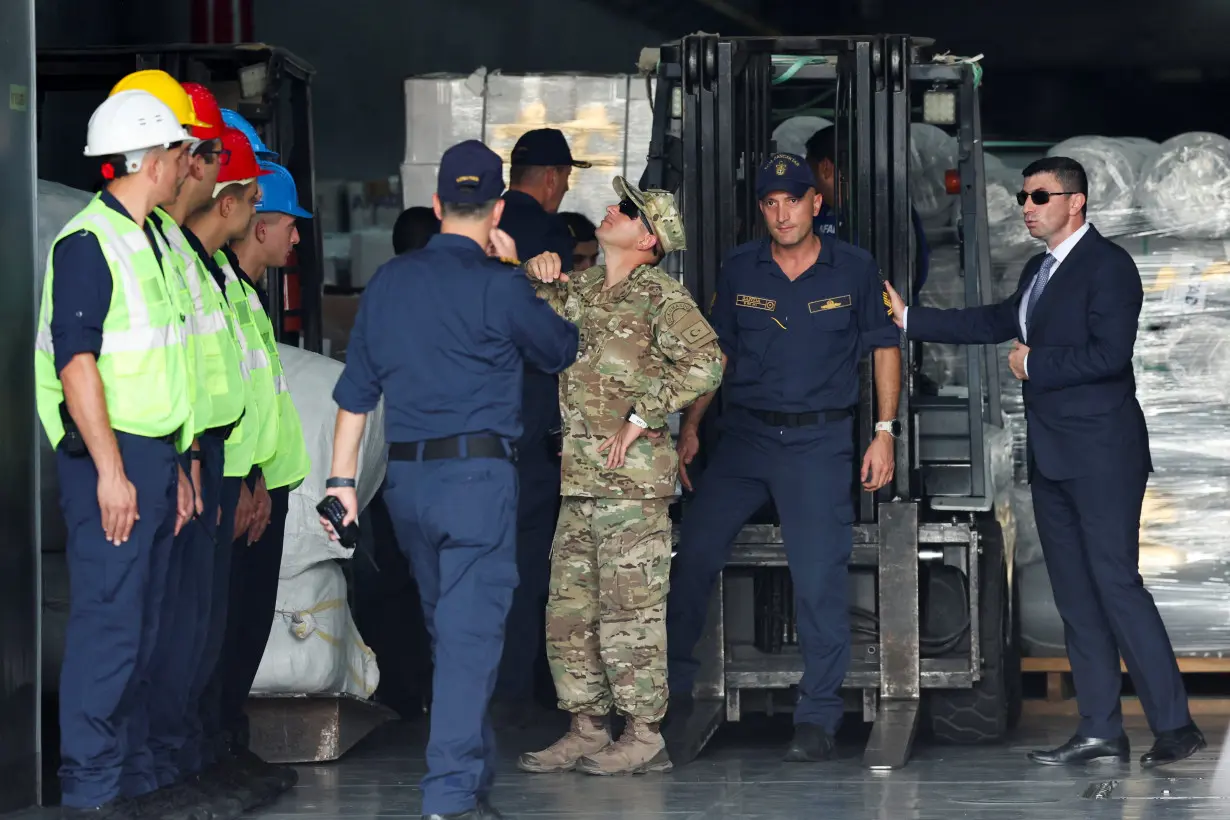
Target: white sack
x,y
312,378
314,647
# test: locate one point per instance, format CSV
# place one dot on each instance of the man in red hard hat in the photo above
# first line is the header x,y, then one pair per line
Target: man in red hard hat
x,y
194,609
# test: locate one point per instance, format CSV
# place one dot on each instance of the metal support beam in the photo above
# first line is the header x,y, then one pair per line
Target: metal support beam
x,y
897,716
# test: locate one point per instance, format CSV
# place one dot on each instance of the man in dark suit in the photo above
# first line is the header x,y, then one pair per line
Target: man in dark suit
x,y
1074,317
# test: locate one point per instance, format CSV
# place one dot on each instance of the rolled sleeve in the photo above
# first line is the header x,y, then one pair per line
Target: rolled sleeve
x,y
358,388
875,314
80,297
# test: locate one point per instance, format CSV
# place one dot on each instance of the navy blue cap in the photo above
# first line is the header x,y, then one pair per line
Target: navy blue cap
x,y
784,172
545,146
470,174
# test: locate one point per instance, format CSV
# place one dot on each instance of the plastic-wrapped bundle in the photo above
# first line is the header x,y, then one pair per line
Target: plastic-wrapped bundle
x,y
314,647
1112,165
1184,188
933,152
311,378
1005,223
1182,366
943,364
792,135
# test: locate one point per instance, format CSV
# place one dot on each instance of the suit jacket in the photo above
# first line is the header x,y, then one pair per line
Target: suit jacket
x,y
1081,413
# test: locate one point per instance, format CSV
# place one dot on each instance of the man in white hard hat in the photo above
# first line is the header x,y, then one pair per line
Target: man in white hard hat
x,y
111,384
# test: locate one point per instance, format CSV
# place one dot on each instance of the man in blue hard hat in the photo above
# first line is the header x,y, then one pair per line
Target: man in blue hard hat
x,y
444,335
271,237
234,119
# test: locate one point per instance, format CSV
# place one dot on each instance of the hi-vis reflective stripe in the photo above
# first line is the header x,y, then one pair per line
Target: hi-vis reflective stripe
x,y
199,325
256,359
280,385
139,336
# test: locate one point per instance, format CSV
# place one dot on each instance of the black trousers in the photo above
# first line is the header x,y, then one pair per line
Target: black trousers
x,y
1090,533
252,601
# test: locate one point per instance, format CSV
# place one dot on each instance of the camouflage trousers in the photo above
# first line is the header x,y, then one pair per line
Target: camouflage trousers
x,y
606,609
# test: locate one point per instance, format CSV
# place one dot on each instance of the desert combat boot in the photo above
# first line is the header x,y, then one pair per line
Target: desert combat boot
x,y
640,749
588,735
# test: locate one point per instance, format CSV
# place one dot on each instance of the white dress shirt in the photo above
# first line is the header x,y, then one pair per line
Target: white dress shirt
x,y
1060,252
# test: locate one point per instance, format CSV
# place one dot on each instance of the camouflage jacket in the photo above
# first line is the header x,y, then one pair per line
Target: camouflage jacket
x,y
644,345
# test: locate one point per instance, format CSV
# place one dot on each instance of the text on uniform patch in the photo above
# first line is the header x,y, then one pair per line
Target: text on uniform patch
x,y
756,302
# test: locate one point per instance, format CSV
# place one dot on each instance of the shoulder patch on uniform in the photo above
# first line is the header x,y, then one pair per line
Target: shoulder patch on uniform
x,y
684,319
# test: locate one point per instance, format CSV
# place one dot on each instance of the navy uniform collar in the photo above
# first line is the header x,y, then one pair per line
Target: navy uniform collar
x,y
111,202
455,242
521,199
764,256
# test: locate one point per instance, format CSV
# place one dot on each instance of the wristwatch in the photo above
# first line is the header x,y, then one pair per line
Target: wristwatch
x,y
334,482
637,420
893,428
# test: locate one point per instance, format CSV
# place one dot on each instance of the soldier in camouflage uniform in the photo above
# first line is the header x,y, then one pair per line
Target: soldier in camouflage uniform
x,y
646,352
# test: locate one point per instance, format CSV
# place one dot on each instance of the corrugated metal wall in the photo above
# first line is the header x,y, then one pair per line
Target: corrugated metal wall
x,y
18,548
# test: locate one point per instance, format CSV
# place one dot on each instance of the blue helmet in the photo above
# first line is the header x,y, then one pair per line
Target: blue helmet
x,y
278,192
234,120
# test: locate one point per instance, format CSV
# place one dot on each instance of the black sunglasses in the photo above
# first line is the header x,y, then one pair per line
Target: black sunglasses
x,y
1039,197
629,209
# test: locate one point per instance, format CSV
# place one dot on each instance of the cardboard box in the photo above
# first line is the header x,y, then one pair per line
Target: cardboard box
x,y
607,120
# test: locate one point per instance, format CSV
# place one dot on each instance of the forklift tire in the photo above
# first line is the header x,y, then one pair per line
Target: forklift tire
x,y
985,713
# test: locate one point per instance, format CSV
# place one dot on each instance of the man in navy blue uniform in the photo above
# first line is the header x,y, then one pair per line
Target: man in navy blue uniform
x,y
794,315
822,157
538,179
1074,316
444,334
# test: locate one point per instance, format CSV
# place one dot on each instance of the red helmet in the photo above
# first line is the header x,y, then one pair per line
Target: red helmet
x,y
238,159
205,107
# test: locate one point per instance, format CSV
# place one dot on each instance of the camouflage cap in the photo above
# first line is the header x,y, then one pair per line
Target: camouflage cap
x,y
660,210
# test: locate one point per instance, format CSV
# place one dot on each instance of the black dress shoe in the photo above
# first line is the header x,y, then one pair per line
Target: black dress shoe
x,y
1173,746
811,744
1084,750
118,809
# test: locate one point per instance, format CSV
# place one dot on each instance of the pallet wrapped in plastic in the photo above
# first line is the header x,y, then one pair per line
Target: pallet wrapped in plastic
x,y
1182,367
606,118
312,378
1184,187
933,153
314,647
1112,166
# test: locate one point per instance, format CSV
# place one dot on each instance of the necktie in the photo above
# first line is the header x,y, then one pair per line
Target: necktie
x,y
1044,276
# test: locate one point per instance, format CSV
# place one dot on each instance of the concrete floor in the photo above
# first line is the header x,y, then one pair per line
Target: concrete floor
x,y
740,775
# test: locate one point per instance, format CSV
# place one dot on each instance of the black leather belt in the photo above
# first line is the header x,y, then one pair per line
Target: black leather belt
x,y
224,431
776,419
479,446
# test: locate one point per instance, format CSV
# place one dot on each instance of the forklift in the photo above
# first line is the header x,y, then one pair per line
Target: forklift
x,y
933,616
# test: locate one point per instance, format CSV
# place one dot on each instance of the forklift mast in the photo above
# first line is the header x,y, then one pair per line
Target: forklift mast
x,y
717,102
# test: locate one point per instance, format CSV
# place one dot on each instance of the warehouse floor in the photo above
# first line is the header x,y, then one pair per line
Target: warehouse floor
x,y
740,775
